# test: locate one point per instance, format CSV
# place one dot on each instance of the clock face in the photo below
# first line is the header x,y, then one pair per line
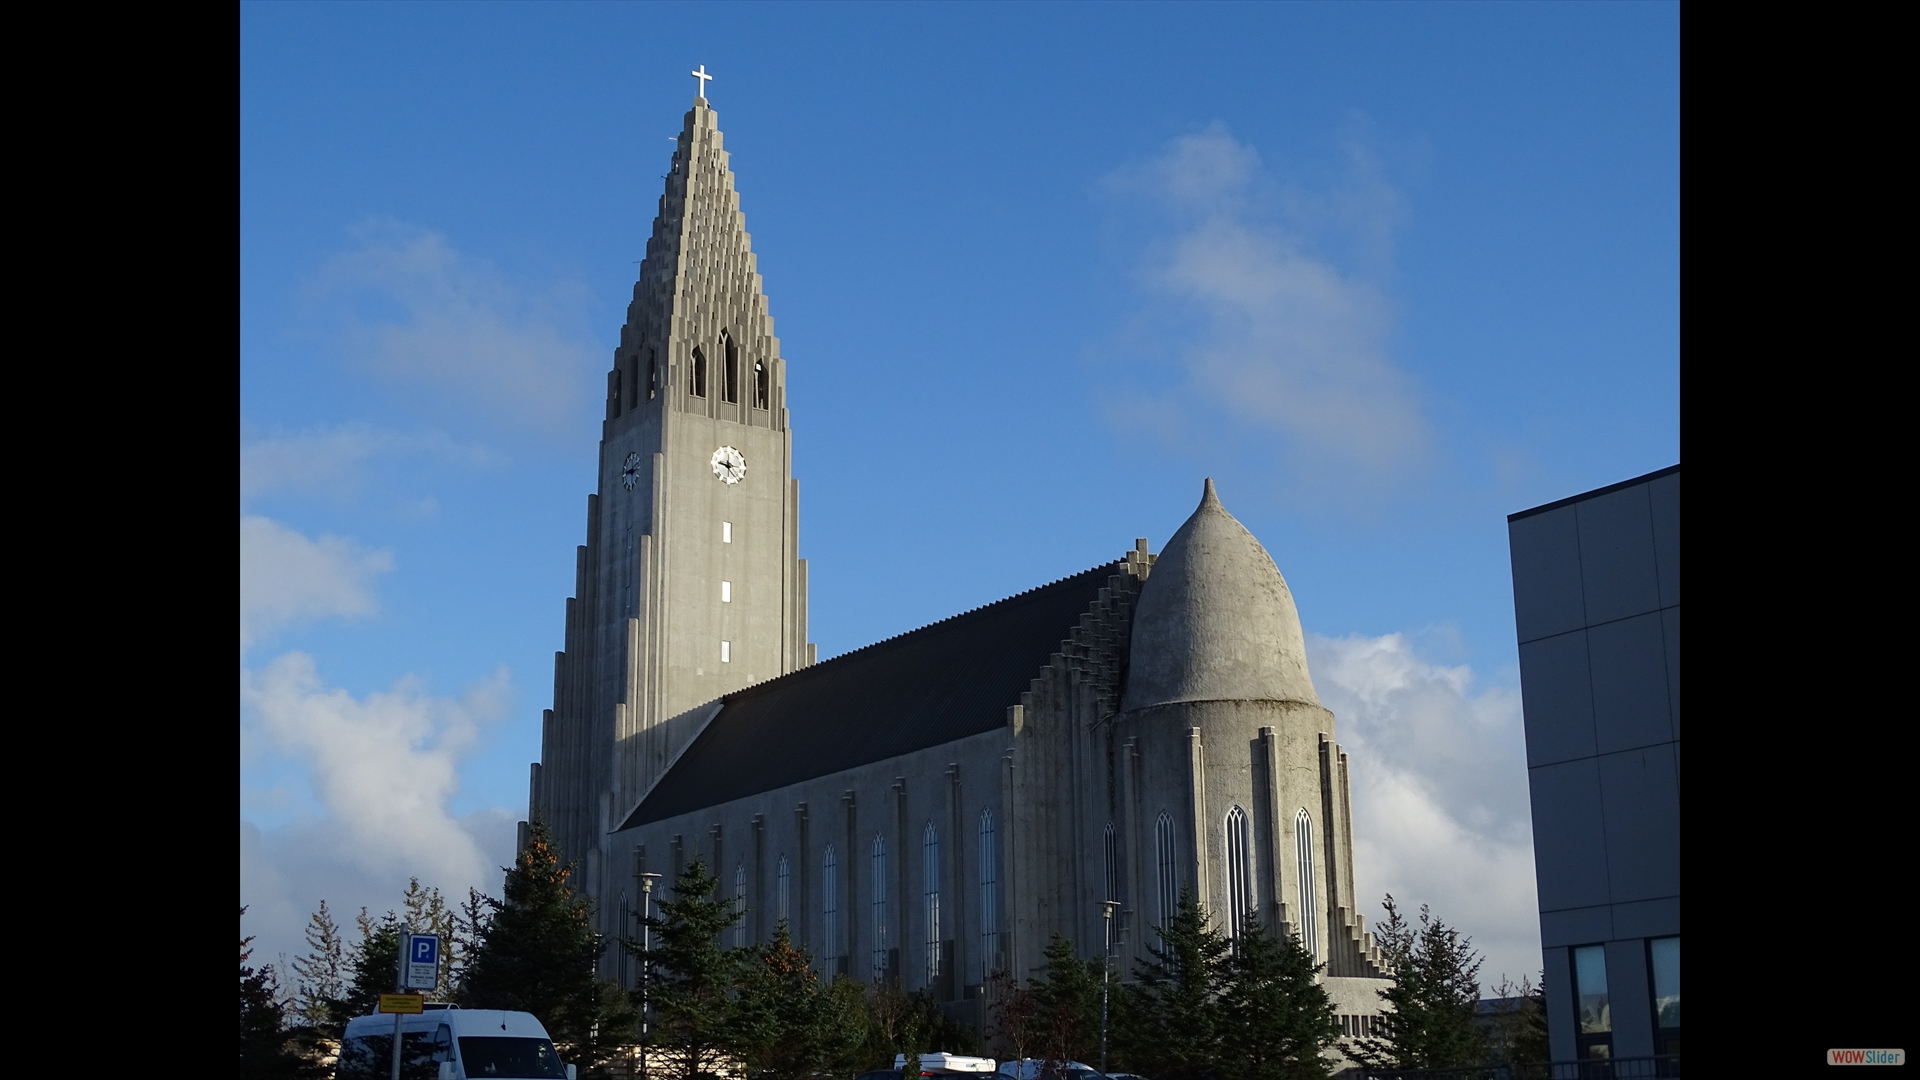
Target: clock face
x,y
630,473
729,465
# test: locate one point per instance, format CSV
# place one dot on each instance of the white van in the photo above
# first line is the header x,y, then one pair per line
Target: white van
x,y
445,1043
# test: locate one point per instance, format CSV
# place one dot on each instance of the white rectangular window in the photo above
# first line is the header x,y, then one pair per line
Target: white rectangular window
x,y
726,652
726,592
726,532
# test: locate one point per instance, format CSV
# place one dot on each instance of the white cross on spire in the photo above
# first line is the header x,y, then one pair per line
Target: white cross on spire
x,y
702,84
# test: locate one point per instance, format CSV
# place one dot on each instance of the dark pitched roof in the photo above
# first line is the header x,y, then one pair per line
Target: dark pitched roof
x,y
930,686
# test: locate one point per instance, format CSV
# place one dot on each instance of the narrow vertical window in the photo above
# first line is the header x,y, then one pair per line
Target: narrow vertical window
x,y
1663,957
697,375
726,532
830,908
1309,914
740,906
1239,872
726,592
633,384
1168,876
989,897
1593,1013
726,652
653,374
730,372
930,874
879,907
784,879
613,391
1111,850
759,384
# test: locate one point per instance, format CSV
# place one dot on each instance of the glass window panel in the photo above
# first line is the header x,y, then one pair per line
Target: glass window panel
x,y
1590,982
1665,954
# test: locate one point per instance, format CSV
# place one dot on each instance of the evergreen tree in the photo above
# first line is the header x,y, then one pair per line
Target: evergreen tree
x,y
269,1048
788,1025
374,964
322,976
1434,998
1067,1005
691,979
1168,1024
537,953
1275,1020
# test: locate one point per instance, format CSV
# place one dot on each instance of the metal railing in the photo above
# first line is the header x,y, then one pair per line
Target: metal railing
x,y
1641,1068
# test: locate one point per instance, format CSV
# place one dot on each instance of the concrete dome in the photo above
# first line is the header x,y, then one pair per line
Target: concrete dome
x,y
1216,621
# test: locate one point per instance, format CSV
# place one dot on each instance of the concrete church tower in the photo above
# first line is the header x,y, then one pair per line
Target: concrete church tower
x,y
689,585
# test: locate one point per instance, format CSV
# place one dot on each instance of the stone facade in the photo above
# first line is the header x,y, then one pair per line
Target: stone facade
x,y
934,807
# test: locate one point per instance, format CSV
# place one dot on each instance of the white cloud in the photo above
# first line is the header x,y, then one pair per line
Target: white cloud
x,y
286,578
383,768
416,309
333,460
1272,334
1440,804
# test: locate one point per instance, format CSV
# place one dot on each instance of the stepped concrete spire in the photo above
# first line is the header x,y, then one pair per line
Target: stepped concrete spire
x,y
1216,621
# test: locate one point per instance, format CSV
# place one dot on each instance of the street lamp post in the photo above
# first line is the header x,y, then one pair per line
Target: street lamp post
x,y
1106,973
646,959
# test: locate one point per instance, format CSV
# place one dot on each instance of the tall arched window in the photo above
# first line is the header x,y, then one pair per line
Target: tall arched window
x,y
697,374
740,906
1168,878
1111,850
784,878
759,384
989,897
1239,872
830,908
1309,916
730,372
879,907
930,873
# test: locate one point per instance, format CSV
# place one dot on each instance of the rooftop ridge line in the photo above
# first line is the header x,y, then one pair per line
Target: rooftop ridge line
x,y
909,633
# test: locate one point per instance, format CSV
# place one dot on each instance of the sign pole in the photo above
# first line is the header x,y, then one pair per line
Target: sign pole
x,y
400,987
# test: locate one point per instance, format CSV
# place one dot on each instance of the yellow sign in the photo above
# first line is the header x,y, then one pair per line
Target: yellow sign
x,y
401,1003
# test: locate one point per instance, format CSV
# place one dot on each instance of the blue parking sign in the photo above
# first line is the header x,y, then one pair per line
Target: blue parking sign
x,y
423,961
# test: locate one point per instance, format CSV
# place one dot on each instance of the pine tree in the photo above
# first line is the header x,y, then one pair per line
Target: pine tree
x,y
1067,1005
269,1048
690,979
788,1025
537,953
322,976
1275,1020
1168,1024
374,964
1434,998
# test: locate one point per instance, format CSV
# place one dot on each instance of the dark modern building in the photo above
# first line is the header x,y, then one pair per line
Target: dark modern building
x,y
1596,598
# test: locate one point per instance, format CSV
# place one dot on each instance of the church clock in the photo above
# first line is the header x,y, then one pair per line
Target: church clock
x,y
729,465
630,472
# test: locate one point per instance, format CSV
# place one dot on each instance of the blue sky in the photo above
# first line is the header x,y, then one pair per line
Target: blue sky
x,y
1386,272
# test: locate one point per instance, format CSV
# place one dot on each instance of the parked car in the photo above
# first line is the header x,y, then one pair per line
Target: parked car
x,y
1042,1069
451,1044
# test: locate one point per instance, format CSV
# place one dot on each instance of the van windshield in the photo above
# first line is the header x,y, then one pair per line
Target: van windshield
x,y
498,1056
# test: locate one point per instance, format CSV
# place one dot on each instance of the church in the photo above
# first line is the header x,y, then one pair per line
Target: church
x,y
932,808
